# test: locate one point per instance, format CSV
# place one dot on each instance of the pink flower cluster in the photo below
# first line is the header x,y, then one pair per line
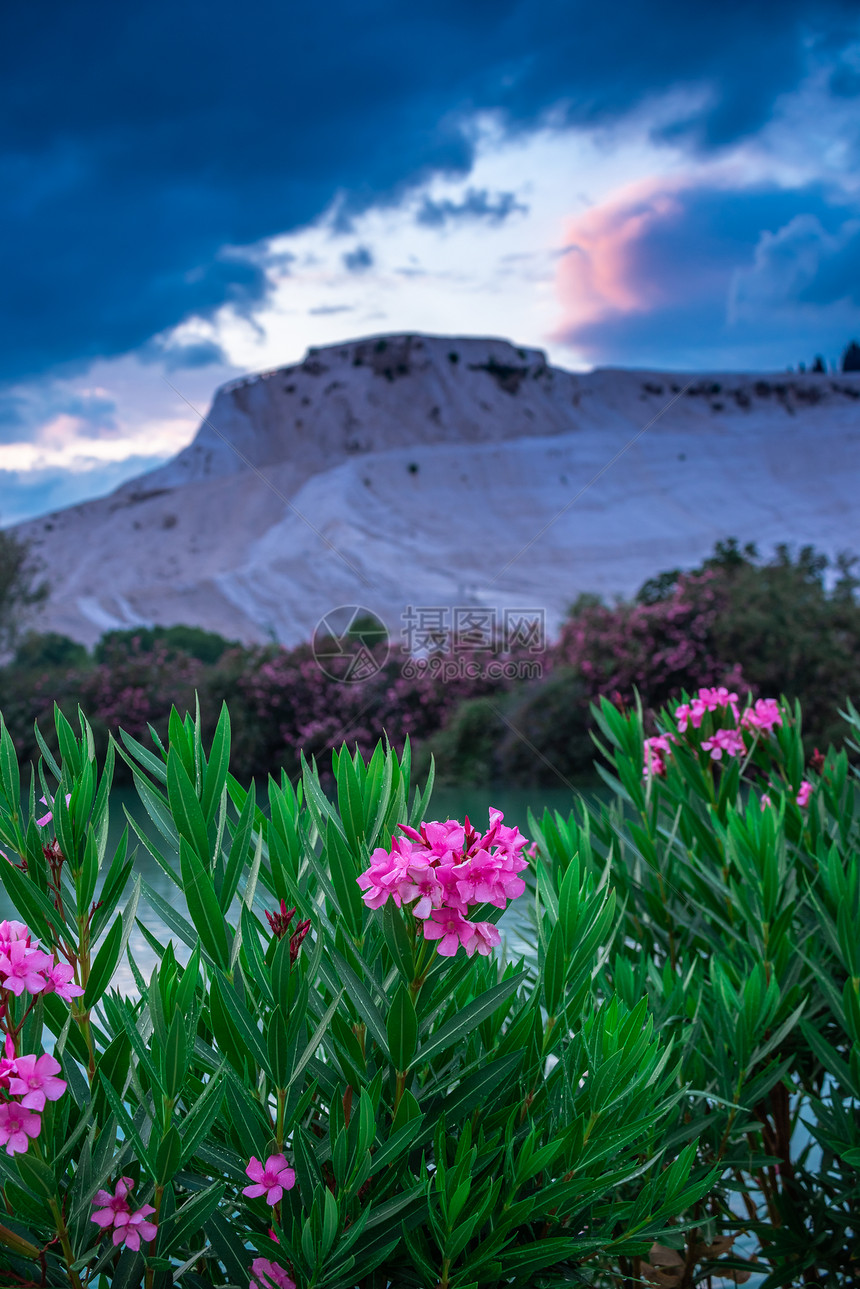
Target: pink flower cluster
x,y
761,718
31,1079
728,741
804,792
709,700
656,749
446,868
24,966
27,1082
270,1179
115,1211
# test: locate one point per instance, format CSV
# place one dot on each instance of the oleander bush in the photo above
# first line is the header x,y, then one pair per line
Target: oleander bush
x,y
789,624
333,1076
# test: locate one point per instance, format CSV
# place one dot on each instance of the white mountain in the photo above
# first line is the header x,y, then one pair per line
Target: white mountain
x,y
428,471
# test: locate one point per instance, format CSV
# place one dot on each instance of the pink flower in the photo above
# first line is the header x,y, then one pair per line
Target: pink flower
x,y
46,819
271,1180
654,750
485,939
16,1126
728,741
108,1207
690,713
718,697
131,1228
804,792
35,1083
23,968
764,715
268,1275
450,929
765,801
11,932
59,981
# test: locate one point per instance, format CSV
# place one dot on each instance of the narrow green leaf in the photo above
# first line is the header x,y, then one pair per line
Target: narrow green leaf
x,y
186,810
464,1022
102,970
216,771
402,1027
203,905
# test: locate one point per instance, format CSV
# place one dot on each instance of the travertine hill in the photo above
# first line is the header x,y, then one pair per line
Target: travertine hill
x,y
436,471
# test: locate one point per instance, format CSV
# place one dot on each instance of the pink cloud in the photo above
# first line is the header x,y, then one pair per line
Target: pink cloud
x,y
603,275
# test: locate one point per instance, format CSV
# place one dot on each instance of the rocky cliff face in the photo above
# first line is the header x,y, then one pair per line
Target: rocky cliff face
x,y
437,471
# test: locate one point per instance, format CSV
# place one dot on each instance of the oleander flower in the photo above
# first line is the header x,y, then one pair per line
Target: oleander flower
x,y
108,1207
17,1127
268,1275
35,1081
728,741
764,715
655,750
270,1179
59,980
131,1228
23,967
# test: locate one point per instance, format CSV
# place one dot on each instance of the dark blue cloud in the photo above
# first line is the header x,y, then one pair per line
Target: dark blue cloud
x,y
184,356
476,204
358,260
735,279
138,141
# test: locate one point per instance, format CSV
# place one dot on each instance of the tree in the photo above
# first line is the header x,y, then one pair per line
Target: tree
x,y
20,590
851,357
818,365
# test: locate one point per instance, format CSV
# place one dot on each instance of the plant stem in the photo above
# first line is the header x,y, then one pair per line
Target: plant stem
x,y
63,1236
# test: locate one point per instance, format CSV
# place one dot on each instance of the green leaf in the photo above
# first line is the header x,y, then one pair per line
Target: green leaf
x,y
17,1243
175,1057
167,1156
203,905
185,808
197,1124
174,921
464,1022
397,939
102,970
238,856
143,756
244,1023
402,1025
362,999
279,1049
350,800
316,1037
554,969
216,771
30,902
344,871
37,1175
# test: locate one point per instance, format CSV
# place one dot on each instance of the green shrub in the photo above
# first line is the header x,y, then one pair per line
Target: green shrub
x,y
591,1113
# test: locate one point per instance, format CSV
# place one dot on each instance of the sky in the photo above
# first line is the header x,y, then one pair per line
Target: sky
x,y
192,191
